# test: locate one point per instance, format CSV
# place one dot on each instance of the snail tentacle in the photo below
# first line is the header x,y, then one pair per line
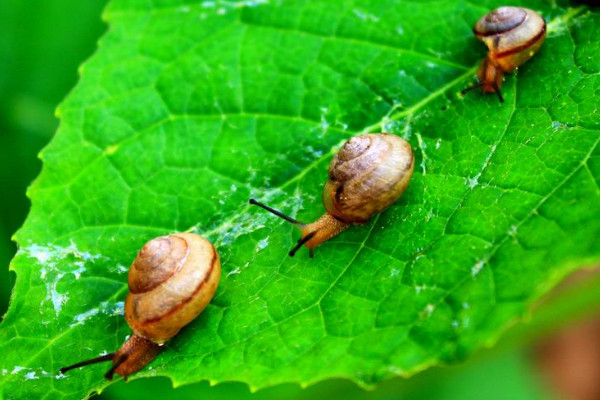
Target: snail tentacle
x,y
367,175
171,281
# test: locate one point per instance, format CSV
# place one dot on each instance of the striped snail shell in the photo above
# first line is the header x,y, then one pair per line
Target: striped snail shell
x,y
171,281
513,35
370,172
367,175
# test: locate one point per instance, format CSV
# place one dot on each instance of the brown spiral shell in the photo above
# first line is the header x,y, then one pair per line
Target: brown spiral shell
x,y
512,34
171,281
369,174
500,20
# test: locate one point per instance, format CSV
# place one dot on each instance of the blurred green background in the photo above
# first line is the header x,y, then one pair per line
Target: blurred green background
x,y
42,45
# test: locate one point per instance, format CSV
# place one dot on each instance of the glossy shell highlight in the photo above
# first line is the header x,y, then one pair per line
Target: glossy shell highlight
x,y
171,281
512,34
368,175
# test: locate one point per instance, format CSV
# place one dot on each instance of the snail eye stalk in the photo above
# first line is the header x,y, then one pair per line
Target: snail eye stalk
x,y
301,243
106,357
475,86
122,358
278,213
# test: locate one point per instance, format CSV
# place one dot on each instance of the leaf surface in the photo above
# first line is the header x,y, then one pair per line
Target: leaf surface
x,y
189,109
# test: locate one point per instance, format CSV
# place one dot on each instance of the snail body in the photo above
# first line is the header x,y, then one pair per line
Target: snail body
x,y
171,281
513,35
367,175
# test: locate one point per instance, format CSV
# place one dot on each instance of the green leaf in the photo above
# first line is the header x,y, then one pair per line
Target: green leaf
x,y
188,109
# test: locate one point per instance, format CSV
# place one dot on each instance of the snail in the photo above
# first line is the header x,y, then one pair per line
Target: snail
x,y
172,279
367,175
513,35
